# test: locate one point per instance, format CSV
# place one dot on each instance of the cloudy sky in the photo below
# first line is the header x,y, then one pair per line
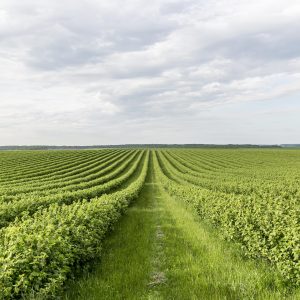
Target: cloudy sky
x,y
160,71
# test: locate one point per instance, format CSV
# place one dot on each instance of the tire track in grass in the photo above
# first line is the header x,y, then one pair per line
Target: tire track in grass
x,y
158,275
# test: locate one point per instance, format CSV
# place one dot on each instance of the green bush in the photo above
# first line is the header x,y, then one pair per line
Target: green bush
x,y
37,253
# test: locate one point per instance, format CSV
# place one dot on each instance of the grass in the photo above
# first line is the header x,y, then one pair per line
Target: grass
x,y
127,258
200,265
161,250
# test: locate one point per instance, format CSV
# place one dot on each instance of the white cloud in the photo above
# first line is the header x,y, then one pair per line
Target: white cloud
x,y
71,71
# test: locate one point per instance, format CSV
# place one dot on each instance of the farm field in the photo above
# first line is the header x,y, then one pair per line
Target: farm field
x,y
150,224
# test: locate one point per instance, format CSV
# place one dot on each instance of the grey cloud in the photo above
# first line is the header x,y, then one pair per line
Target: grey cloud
x,y
57,36
94,66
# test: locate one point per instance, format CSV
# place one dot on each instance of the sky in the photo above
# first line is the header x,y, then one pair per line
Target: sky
x,y
162,71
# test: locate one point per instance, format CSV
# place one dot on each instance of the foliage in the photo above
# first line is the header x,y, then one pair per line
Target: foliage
x,y
38,252
262,214
57,206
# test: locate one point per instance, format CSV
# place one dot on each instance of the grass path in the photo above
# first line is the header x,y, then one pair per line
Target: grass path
x,y
161,250
127,262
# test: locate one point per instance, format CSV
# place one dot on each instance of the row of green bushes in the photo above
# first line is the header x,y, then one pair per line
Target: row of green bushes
x,y
38,253
10,210
236,181
83,172
30,166
265,226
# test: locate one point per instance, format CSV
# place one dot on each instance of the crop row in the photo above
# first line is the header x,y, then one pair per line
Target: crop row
x,y
82,174
33,167
266,226
58,171
100,178
10,210
38,252
238,183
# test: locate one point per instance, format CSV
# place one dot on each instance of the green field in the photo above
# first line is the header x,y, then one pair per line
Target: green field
x,y
150,224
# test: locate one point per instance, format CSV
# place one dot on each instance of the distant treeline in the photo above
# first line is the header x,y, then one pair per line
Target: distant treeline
x,y
47,147
290,145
